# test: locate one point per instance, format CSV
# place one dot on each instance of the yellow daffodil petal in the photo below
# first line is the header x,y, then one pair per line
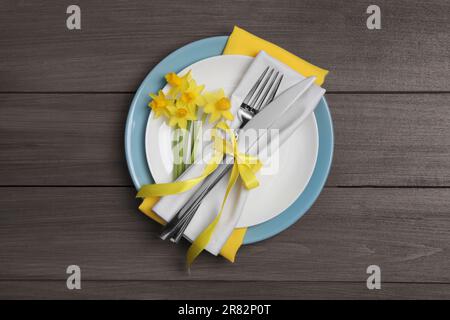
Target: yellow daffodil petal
x,y
159,103
173,121
223,104
214,117
228,115
208,108
182,123
217,105
173,79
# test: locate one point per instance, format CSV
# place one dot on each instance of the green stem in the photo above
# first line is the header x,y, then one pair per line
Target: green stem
x,y
177,152
186,137
194,135
180,143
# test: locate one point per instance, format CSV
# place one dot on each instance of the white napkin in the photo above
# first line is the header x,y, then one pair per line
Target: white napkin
x,y
168,206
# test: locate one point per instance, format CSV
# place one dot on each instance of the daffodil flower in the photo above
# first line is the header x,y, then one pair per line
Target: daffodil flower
x,y
178,84
179,106
217,105
192,97
160,104
180,114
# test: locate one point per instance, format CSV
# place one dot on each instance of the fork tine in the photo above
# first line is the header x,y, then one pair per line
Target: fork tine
x,y
260,90
267,89
275,89
255,86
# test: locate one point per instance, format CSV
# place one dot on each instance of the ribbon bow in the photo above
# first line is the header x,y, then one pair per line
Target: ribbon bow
x,y
244,166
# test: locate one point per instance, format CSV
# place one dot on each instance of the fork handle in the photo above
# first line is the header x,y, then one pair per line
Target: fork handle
x,y
176,227
192,209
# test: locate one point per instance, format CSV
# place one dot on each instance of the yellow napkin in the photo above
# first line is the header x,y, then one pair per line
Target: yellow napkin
x,y
244,43
247,44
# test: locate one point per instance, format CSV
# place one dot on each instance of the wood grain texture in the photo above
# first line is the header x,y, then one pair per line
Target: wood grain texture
x,y
226,290
77,139
63,139
404,231
391,140
66,196
120,42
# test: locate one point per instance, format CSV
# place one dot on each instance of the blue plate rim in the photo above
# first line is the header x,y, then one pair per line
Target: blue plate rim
x,y
214,46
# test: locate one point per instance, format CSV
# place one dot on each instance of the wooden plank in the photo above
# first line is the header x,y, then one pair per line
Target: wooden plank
x,y
120,42
228,290
391,140
77,139
69,140
405,231
63,139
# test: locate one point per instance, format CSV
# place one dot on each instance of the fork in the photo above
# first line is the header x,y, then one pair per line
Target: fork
x,y
259,96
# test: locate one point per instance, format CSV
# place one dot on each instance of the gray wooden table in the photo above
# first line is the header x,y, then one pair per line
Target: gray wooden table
x,y
66,196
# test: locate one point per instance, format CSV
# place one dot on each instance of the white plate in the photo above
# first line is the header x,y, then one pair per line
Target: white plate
x,y
298,155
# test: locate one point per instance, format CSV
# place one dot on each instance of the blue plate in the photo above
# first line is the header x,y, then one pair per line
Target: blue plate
x,y
137,121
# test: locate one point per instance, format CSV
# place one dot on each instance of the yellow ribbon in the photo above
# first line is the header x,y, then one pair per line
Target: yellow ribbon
x,y
244,166
165,189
